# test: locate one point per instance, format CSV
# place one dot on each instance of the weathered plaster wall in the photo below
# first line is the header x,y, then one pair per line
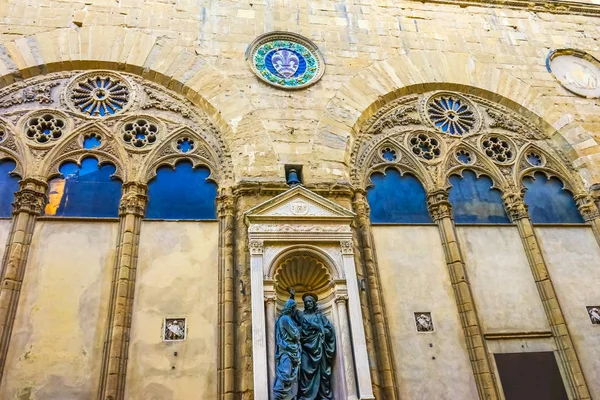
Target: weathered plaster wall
x,y
414,278
176,277
57,340
372,48
572,255
5,225
505,292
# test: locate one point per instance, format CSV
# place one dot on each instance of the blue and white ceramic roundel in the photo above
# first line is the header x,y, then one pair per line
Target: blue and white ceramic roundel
x,y
285,60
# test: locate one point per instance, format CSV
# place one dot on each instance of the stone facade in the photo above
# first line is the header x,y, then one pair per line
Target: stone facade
x,y
181,68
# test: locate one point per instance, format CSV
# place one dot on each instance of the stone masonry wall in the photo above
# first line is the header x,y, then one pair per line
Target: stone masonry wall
x,y
276,127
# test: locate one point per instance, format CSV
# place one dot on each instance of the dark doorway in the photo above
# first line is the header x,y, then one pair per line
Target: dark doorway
x,y
530,376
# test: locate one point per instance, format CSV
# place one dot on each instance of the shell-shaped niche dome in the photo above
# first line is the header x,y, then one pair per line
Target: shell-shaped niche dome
x,y
304,274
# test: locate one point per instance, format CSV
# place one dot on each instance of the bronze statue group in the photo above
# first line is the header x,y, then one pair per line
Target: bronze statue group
x,y
305,350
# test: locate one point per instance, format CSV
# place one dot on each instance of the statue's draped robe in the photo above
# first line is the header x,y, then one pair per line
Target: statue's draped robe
x,y
287,358
317,336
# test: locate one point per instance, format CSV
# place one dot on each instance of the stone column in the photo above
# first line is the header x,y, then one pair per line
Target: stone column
x,y
589,212
359,342
441,212
116,345
382,343
270,301
226,214
517,211
346,346
259,337
28,205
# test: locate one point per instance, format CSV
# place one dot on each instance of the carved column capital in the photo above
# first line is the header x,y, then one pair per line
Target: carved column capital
x,y
134,199
225,204
347,246
438,205
515,206
270,298
341,298
256,247
587,207
31,197
360,203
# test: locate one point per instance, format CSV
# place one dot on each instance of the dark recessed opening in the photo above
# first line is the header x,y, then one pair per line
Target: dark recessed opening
x,y
293,174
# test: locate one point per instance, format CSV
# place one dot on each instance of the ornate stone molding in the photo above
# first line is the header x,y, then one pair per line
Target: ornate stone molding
x,y
552,7
134,199
438,205
302,228
256,247
31,197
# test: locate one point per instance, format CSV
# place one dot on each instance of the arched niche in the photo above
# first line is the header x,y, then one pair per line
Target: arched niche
x,y
302,240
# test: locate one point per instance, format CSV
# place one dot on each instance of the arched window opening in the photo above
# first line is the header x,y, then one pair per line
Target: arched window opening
x,y
9,184
396,198
548,202
88,190
474,201
182,193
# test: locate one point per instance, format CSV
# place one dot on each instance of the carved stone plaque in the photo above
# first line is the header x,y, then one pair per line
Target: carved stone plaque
x,y
594,314
423,322
174,329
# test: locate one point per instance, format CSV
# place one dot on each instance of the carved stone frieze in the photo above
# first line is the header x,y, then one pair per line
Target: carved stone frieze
x,y
262,228
40,93
156,100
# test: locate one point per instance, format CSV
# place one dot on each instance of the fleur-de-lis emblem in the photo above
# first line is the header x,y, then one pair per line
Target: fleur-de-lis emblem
x,y
285,62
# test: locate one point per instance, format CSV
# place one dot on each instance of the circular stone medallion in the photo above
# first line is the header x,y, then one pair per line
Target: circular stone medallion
x,y
578,72
285,60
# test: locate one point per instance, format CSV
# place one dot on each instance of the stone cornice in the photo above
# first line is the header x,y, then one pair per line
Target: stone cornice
x,y
552,7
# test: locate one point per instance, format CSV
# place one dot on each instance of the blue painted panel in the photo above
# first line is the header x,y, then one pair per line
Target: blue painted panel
x,y
8,186
397,199
86,191
548,202
474,201
182,193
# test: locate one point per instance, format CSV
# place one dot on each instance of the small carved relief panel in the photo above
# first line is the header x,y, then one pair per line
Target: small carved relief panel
x,y
174,329
424,322
594,314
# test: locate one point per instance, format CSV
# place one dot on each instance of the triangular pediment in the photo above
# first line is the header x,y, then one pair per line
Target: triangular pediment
x,y
299,203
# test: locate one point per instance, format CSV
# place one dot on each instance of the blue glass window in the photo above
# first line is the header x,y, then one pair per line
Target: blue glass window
x,y
86,191
474,201
9,184
548,202
182,193
397,199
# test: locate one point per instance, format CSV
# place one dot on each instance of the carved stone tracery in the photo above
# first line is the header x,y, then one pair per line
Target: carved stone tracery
x,y
100,102
495,142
